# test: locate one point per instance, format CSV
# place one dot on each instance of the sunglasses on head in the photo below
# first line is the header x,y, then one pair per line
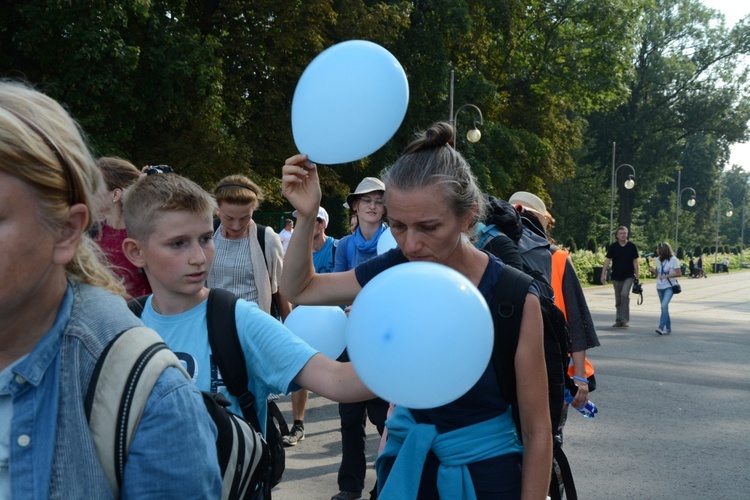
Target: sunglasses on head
x,y
158,169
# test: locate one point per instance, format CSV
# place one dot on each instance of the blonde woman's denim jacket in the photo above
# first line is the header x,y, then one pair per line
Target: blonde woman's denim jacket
x,y
52,455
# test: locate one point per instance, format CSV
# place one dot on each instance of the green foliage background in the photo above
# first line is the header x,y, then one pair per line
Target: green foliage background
x,y
206,86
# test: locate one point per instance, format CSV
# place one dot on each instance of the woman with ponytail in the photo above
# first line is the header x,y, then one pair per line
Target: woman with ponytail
x,y
433,204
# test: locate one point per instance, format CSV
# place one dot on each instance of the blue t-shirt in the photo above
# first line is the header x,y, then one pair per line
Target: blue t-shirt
x,y
482,402
273,354
323,258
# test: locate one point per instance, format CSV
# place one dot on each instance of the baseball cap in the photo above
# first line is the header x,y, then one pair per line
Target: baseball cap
x,y
322,214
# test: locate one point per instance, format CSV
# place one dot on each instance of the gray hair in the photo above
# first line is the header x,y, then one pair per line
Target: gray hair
x,y
431,160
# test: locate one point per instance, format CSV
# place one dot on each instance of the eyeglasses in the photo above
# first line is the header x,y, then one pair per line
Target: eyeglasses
x,y
158,169
366,200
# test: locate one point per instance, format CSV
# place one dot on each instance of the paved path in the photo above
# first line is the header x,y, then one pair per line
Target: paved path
x,y
674,411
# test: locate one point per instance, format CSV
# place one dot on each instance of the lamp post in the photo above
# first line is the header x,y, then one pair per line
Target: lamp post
x,y
628,185
472,135
718,222
690,203
742,228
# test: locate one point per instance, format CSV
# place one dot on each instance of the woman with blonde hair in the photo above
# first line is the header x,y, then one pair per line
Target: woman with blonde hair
x,y
59,309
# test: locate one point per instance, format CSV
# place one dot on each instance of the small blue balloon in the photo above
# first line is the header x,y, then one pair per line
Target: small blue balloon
x,y
323,327
386,241
349,102
420,335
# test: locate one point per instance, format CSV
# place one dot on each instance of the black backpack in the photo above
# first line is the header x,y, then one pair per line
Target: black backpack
x,y
507,310
227,351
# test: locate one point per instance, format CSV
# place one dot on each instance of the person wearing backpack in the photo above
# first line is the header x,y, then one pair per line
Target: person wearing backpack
x,y
514,232
169,223
567,292
433,205
60,307
249,257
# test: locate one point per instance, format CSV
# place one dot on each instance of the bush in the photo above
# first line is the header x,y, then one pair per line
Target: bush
x,y
697,252
570,244
591,245
680,253
706,251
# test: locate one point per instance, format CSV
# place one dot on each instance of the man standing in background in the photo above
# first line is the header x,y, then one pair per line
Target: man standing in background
x,y
623,255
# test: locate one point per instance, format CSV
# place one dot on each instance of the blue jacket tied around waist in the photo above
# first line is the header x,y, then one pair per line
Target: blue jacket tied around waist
x,y
410,442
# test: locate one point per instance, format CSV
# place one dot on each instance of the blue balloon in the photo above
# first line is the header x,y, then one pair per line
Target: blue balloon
x,y
386,241
349,102
323,327
420,335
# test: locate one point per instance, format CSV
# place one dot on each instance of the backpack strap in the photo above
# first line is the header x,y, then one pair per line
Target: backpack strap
x,y
507,311
227,350
137,305
118,390
262,238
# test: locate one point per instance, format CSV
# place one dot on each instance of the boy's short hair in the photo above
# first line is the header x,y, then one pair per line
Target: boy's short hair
x,y
154,195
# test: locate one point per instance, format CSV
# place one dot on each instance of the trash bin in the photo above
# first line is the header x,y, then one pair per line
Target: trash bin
x,y
684,270
598,275
718,267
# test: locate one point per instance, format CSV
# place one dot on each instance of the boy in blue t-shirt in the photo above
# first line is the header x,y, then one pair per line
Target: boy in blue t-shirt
x,y
169,220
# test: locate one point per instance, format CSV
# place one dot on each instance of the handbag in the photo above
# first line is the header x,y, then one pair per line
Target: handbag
x,y
676,287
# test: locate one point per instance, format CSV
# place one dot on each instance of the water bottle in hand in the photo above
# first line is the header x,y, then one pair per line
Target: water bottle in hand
x,y
588,409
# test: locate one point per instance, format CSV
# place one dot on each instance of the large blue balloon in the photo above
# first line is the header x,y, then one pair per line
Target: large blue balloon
x,y
420,335
349,102
323,327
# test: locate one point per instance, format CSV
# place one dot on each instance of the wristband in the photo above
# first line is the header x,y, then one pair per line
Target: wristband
x,y
580,379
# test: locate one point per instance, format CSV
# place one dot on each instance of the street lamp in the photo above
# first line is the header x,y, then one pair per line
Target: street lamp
x,y
729,213
690,203
472,135
629,183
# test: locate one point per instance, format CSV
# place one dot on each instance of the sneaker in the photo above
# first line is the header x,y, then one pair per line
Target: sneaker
x,y
660,331
666,331
296,434
623,324
347,495
617,324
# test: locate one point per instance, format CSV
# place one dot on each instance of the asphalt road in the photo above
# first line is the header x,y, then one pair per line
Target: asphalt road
x,y
674,411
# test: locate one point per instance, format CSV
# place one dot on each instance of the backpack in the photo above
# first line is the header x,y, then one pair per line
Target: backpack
x,y
508,235
237,437
261,232
120,385
507,310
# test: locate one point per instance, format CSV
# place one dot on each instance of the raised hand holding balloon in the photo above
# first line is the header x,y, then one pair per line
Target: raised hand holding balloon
x,y
349,102
420,335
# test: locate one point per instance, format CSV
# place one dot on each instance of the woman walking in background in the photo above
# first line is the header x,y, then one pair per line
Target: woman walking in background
x,y
667,269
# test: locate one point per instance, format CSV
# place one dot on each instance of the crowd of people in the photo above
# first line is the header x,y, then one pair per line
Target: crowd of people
x,y
103,230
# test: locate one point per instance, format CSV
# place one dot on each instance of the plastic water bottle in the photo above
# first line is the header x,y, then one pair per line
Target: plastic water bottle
x,y
588,409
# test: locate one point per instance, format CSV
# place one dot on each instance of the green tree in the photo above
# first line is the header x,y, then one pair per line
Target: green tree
x,y
686,87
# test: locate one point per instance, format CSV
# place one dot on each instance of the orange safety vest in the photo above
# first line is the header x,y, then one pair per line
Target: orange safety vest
x,y
559,259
